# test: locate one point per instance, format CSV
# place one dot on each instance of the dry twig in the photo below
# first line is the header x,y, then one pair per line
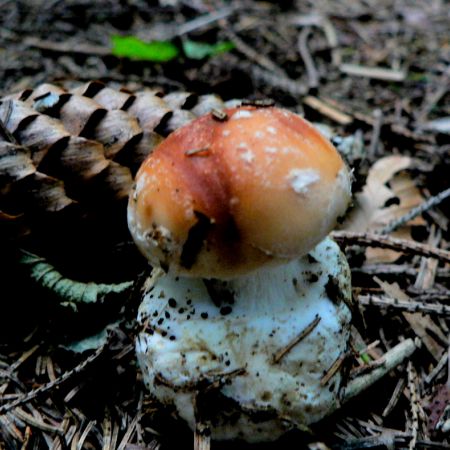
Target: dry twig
x,y
417,211
284,83
396,269
378,73
249,52
402,245
327,110
414,405
443,362
52,384
313,76
401,383
67,47
404,305
392,359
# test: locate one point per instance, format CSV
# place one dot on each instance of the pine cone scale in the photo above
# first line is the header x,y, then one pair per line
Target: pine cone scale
x,y
76,153
40,136
150,110
15,163
80,115
117,130
16,114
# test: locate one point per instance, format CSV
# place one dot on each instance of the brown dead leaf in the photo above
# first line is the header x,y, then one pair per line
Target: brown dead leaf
x,y
378,204
8,217
436,405
421,324
375,193
403,188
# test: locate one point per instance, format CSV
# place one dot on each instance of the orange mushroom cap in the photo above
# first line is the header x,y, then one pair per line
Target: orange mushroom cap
x,y
218,199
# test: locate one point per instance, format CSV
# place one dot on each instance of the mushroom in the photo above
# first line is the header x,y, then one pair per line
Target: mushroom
x,y
245,319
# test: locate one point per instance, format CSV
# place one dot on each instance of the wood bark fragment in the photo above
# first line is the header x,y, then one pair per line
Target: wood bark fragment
x,y
414,405
378,73
392,359
425,327
327,110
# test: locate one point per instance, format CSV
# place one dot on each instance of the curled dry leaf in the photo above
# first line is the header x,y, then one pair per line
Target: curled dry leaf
x,y
388,194
436,407
424,327
70,291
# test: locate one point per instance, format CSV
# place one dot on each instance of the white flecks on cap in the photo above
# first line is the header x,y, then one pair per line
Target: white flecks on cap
x,y
272,130
142,181
259,134
345,180
300,179
248,156
287,150
242,113
270,149
340,195
226,132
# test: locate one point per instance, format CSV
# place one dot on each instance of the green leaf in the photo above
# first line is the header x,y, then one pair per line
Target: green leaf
x,y
366,358
134,48
200,50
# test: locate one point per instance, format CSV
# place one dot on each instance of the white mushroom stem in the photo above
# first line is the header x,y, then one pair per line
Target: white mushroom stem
x,y
257,346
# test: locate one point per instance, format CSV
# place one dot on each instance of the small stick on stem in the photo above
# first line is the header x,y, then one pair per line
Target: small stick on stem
x,y
332,370
280,353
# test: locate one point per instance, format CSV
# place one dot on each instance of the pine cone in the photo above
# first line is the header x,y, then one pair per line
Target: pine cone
x,y
67,161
